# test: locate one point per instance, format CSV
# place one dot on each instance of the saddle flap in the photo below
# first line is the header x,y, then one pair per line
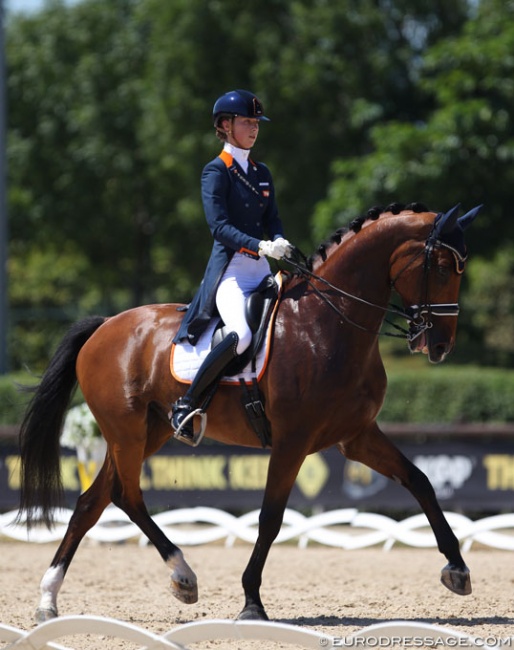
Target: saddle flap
x,y
253,310
260,302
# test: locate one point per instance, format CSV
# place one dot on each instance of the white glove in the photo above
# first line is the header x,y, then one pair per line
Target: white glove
x,y
276,249
281,248
266,248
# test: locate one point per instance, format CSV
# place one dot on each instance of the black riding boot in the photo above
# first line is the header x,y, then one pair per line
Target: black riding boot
x,y
209,372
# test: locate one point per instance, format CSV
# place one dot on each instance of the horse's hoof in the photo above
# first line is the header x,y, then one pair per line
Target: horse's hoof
x,y
186,592
456,580
253,613
46,614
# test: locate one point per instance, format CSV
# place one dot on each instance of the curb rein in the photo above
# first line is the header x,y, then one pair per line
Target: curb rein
x,y
419,317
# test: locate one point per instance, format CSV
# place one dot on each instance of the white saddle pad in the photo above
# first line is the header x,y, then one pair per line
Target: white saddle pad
x,y
186,359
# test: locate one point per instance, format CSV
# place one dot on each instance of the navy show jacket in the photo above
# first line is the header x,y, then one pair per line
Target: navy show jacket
x,y
241,211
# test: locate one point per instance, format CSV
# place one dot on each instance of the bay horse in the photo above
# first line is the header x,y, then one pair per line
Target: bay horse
x,y
324,386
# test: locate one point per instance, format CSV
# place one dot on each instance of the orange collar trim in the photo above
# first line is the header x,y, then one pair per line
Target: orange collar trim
x,y
227,158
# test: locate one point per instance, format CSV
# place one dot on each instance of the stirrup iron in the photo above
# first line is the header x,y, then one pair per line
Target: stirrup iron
x,y
197,435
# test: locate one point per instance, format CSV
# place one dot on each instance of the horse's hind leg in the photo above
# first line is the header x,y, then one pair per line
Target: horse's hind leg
x,y
121,486
128,497
378,452
90,506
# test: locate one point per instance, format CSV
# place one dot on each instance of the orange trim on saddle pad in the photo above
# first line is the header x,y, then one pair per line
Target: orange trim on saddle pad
x,y
265,348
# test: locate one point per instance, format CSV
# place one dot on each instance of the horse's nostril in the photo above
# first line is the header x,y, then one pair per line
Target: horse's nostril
x,y
439,351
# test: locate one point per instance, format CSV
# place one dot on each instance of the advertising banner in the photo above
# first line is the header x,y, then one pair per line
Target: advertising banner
x,y
468,475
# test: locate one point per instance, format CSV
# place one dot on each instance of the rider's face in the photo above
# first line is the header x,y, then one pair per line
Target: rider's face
x,y
242,131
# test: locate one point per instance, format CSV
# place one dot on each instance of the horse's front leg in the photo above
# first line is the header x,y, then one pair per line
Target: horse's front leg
x,y
282,472
378,452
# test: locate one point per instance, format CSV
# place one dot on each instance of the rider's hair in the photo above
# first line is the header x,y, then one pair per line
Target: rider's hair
x,y
220,134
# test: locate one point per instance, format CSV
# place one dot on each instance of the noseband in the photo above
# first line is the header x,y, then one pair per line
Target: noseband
x,y
419,316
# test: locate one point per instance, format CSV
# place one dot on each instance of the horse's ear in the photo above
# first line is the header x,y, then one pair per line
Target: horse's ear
x,y
469,217
445,223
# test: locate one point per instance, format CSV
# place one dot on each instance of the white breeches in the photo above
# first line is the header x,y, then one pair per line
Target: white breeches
x,y
242,276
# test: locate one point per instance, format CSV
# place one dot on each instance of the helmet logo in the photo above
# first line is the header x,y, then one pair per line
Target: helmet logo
x,y
257,107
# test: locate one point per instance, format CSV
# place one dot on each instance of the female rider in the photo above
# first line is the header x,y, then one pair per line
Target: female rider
x,y
239,204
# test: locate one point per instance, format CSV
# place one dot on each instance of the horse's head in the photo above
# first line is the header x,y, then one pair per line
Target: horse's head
x,y
427,275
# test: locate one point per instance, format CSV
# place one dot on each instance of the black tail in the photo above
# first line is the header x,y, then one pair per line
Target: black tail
x,y
40,481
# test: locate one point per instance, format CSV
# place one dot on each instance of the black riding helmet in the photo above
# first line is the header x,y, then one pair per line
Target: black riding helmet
x,y
238,102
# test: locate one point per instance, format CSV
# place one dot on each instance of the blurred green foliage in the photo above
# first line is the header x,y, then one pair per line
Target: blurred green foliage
x,y
109,127
443,394
13,399
451,394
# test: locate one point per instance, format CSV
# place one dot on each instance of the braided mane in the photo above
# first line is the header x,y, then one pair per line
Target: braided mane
x,y
356,224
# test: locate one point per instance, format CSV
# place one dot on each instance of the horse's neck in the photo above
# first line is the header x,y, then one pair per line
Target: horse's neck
x,y
359,265
341,322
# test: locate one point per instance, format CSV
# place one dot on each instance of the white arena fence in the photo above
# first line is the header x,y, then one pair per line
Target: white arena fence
x,y
346,528
382,635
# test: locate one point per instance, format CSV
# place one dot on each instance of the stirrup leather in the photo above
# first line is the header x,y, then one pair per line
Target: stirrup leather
x,y
197,435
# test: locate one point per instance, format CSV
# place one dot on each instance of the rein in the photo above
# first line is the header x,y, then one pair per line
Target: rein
x,y
418,316
308,276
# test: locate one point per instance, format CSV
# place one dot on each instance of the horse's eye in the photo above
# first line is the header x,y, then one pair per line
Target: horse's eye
x,y
443,272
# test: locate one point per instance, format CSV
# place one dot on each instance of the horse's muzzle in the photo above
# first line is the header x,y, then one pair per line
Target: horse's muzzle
x,y
438,352
427,342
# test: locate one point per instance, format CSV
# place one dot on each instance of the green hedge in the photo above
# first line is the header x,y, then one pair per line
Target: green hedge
x,y
13,400
449,394
433,394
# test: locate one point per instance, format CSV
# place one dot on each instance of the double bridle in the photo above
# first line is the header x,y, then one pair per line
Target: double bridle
x,y
418,316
